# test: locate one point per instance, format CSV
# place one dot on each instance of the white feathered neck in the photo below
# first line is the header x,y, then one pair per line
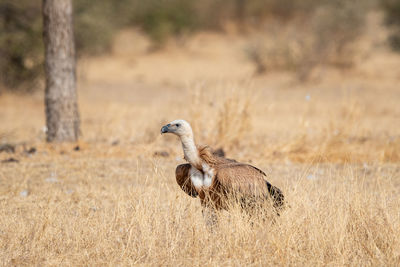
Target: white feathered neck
x,y
190,150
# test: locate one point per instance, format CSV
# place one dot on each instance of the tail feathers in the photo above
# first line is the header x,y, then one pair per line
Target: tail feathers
x,y
277,196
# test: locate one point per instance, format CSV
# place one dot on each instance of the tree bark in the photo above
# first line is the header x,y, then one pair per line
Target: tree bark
x,y
62,115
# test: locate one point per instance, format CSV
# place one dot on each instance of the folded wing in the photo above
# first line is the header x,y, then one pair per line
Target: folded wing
x,y
183,179
248,181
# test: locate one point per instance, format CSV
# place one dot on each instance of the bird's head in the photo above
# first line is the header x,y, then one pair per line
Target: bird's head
x,y
178,127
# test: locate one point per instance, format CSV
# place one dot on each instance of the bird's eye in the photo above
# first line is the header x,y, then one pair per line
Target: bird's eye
x,y
178,125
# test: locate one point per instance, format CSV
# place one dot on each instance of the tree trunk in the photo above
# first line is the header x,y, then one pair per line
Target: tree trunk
x,y
62,115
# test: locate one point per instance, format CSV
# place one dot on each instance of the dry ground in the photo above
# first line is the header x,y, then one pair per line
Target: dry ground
x,y
332,145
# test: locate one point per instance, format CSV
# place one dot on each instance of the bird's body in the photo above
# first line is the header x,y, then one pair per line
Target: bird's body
x,y
214,179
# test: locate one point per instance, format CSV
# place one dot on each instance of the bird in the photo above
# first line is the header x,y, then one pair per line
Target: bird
x,y
213,179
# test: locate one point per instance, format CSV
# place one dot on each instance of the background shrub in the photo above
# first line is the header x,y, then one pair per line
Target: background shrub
x,y
20,43
392,15
324,36
330,26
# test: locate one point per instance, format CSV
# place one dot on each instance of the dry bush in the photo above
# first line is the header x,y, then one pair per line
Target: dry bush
x,y
391,150
391,9
231,122
343,138
342,131
324,38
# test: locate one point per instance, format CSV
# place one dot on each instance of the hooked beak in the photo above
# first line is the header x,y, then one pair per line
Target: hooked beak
x,y
165,129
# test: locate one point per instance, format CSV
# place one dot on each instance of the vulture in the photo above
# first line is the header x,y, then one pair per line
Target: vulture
x,y
213,179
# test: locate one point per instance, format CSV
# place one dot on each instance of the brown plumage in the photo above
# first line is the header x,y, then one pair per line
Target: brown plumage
x,y
213,178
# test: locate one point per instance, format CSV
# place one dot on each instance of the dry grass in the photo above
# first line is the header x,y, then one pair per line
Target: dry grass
x,y
332,147
109,212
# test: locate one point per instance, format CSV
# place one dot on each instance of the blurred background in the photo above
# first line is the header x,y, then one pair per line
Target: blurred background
x,y
290,73
276,35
